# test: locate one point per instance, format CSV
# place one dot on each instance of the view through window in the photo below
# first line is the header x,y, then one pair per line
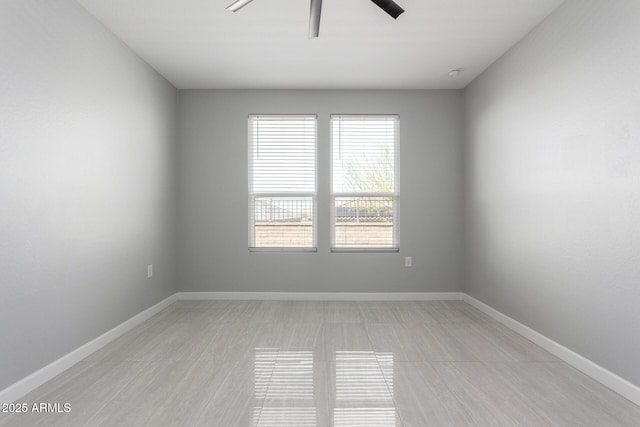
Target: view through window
x,y
365,182
282,182
365,196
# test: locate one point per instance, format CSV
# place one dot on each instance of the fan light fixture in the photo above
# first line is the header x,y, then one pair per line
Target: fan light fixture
x,y
388,6
238,4
314,18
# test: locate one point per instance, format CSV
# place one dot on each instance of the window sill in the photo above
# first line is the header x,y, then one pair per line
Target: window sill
x,y
365,250
281,250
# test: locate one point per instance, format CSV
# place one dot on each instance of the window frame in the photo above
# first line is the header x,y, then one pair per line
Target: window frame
x,y
395,195
253,195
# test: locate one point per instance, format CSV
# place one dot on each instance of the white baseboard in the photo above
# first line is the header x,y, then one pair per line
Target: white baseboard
x,y
35,380
321,296
586,366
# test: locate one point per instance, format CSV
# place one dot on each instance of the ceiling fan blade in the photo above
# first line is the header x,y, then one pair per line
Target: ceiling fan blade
x,y
314,18
390,7
238,4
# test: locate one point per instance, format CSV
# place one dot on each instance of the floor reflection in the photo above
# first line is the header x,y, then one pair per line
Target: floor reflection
x,y
364,389
359,394
364,417
360,377
284,388
283,374
279,417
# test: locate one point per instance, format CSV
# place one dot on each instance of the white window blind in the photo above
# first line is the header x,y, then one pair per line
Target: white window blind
x,y
365,194
282,182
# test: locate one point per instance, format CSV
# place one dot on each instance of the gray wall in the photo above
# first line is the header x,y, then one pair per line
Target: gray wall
x,y
553,182
87,175
213,254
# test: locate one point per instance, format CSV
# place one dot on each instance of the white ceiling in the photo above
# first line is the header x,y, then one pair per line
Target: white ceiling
x,y
197,44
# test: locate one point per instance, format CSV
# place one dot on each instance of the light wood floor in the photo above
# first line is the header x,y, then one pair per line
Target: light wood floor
x,y
349,364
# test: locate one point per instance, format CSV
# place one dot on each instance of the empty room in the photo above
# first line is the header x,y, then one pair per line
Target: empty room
x,y
363,213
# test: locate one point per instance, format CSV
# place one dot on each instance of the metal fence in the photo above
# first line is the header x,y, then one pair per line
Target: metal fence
x,y
364,209
275,209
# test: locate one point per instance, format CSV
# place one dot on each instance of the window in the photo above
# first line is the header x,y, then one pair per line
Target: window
x,y
282,182
365,193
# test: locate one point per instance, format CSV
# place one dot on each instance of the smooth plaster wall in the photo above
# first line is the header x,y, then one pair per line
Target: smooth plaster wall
x,y
87,183
212,200
553,182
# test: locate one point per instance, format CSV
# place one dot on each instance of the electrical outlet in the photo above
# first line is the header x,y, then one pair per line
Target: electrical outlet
x,y
149,271
408,261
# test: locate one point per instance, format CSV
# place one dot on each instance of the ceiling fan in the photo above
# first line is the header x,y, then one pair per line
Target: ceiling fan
x,y
388,6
